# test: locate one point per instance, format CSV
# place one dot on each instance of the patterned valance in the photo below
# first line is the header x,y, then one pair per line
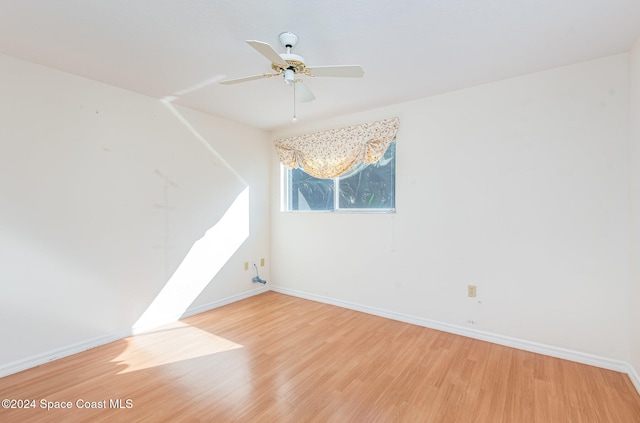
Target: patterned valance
x,y
331,153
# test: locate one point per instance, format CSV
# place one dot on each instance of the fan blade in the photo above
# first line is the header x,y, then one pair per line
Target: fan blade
x,y
267,51
303,93
341,71
247,78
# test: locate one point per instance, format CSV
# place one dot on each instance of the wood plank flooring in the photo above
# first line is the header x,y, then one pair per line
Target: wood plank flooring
x,y
276,358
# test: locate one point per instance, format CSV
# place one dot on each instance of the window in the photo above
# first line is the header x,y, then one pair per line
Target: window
x,y
363,188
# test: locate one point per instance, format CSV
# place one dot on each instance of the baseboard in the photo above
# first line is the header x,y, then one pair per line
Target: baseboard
x,y
549,350
635,378
223,302
192,311
37,360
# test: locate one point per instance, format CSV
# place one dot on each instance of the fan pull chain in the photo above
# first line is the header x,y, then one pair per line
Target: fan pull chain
x,y
295,118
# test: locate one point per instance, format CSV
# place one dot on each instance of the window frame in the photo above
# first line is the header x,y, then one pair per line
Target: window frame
x,y
286,197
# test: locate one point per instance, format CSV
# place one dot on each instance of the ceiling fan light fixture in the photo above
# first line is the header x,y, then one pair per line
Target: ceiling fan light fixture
x,y
289,76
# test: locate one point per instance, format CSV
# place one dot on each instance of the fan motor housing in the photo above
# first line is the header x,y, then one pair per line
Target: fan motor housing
x,y
295,62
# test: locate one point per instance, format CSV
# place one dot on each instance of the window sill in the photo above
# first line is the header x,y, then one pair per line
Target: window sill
x,y
344,211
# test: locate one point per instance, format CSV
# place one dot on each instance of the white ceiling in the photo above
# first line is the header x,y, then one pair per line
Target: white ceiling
x,y
408,48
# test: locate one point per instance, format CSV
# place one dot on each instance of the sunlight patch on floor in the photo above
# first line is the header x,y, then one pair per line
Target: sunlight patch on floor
x,y
170,344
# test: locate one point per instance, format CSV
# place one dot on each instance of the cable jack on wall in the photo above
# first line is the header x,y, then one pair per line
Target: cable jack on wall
x,y
257,278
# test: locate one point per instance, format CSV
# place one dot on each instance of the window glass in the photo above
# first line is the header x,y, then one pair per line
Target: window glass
x,y
370,186
309,193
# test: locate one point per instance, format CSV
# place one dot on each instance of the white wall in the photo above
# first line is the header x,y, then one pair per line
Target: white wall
x,y
634,161
519,187
90,229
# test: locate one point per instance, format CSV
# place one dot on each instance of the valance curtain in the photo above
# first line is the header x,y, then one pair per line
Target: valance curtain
x,y
331,153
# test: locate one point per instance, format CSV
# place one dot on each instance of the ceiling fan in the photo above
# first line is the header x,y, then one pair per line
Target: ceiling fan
x,y
289,65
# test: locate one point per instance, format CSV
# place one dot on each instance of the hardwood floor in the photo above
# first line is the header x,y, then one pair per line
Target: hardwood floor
x,y
276,358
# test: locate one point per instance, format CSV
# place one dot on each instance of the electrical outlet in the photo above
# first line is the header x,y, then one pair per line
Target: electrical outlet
x,y
246,265
471,290
262,262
